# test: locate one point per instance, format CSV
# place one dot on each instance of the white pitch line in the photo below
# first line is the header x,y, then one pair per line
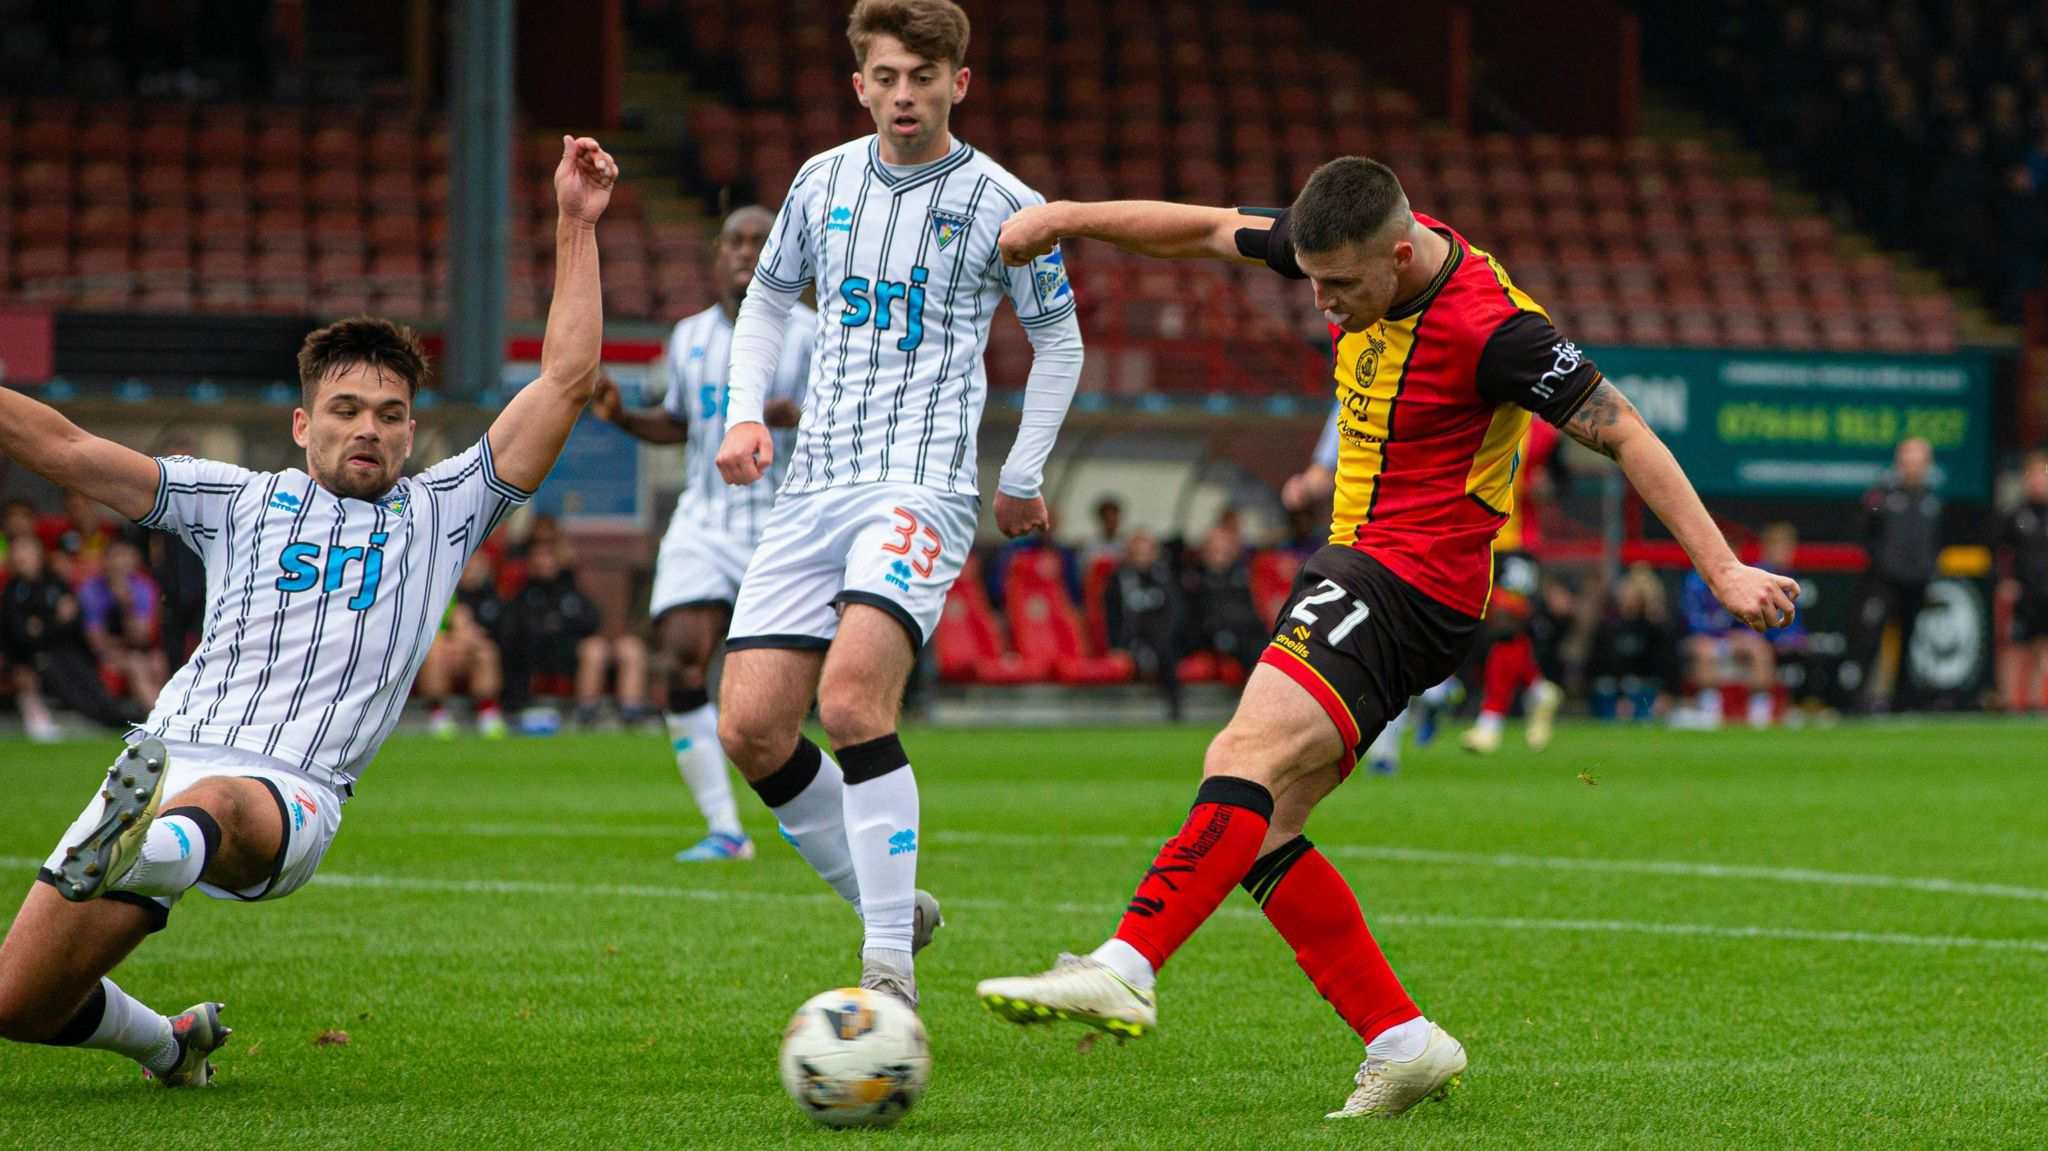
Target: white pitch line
x,y
1508,860
428,885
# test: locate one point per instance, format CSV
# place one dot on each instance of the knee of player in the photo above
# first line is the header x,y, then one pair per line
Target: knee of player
x,y
849,716
1234,753
747,743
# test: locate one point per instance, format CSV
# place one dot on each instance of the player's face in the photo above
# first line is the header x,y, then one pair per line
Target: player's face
x,y
1355,284
910,97
739,249
358,432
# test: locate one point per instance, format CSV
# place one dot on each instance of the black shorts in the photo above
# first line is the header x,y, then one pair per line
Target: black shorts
x,y
1361,640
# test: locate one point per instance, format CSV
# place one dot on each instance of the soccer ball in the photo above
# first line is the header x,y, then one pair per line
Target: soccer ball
x,y
854,1058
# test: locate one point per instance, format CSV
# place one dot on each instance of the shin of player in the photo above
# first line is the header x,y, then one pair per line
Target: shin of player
x,y
898,233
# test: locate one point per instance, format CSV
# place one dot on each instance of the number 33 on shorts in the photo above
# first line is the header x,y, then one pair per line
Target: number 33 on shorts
x,y
912,535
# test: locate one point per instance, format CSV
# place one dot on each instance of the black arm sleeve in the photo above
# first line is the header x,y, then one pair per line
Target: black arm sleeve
x,y
1525,362
1275,245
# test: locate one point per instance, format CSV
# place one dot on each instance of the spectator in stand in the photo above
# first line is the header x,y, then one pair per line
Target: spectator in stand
x,y
17,519
2023,554
120,607
43,639
1634,662
621,660
81,534
1902,533
1790,645
557,638
1143,607
1221,615
468,652
1109,542
1721,652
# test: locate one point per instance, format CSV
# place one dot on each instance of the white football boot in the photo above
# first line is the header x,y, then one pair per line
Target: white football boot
x,y
135,787
1386,1088
1078,989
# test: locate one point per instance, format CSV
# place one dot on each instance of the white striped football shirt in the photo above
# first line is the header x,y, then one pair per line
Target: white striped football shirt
x,y
319,609
908,278
699,354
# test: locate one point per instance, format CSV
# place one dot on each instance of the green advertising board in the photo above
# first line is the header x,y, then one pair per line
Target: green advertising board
x,y
1814,425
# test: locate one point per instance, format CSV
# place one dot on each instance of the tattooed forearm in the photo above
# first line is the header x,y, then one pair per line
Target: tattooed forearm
x,y
1604,420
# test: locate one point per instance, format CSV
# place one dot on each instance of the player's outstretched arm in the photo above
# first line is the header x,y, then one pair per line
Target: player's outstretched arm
x,y
1148,227
67,455
1606,422
652,425
528,435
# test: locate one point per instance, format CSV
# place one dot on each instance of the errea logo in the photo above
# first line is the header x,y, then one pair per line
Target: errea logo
x,y
284,502
840,220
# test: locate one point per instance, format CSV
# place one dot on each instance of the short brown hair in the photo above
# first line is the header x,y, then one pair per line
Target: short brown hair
x,y
934,29
1345,201
361,340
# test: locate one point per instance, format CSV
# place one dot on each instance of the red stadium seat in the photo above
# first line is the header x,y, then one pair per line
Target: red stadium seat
x,y
1045,627
968,642
1272,576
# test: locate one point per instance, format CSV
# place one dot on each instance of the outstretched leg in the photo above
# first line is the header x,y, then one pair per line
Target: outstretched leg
x,y
55,958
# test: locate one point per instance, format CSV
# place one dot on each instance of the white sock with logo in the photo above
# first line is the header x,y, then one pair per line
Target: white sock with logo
x,y
881,829
174,852
128,1027
694,736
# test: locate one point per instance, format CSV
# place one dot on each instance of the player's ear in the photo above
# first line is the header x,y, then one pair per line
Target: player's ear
x,y
1404,254
299,422
960,78
860,87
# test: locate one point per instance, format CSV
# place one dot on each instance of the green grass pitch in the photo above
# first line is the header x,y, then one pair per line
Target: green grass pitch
x,y
1803,939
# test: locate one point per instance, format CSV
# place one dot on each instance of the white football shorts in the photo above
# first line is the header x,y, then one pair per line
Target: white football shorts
x,y
311,811
897,547
697,567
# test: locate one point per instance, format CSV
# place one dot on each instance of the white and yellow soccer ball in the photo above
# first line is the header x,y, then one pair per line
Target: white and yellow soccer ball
x,y
854,1058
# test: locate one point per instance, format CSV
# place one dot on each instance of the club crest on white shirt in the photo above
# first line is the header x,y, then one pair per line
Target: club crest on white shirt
x,y
947,225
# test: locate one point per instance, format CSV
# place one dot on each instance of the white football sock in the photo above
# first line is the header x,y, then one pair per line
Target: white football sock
x,y
1127,962
814,822
130,1028
694,735
1710,703
1491,722
881,829
173,855
1401,1042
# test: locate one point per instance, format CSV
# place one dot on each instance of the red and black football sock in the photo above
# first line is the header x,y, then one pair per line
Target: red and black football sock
x,y
1510,668
1197,867
1317,914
